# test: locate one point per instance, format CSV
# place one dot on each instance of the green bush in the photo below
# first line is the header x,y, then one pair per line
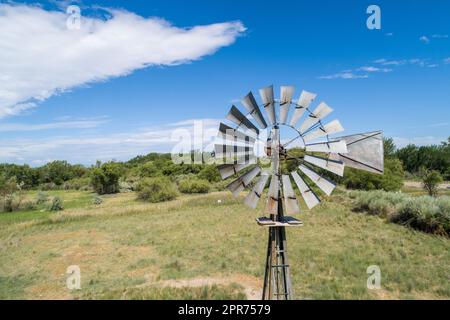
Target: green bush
x,y
210,173
42,197
77,184
105,179
194,186
57,204
97,200
157,189
424,213
391,180
431,181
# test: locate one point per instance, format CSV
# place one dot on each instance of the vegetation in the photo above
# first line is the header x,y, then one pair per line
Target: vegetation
x,y
423,213
194,185
186,249
157,189
391,180
105,179
57,204
431,182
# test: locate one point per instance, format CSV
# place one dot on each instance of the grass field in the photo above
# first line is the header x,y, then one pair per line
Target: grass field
x,y
201,248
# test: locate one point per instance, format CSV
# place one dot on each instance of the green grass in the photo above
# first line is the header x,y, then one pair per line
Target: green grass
x,y
195,247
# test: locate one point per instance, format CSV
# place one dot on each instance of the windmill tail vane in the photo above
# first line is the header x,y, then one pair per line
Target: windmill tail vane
x,y
238,154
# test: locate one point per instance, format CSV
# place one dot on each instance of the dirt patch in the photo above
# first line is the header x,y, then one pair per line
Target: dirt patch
x,y
251,285
418,184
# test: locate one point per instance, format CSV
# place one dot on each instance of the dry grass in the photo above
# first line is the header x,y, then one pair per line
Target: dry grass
x,y
195,247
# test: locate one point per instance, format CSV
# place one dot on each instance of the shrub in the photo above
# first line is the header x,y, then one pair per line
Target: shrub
x,y
42,197
431,182
194,186
97,200
391,180
57,204
77,184
156,189
105,179
125,186
210,173
426,214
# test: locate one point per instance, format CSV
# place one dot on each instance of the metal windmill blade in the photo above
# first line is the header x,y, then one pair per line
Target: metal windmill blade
x,y
240,183
250,104
241,120
285,102
268,103
314,117
364,151
237,153
303,103
255,194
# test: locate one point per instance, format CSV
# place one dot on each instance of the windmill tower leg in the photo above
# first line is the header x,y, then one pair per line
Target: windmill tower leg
x,y
277,281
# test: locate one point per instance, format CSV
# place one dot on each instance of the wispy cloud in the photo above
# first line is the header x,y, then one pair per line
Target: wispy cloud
x,y
386,62
56,59
401,142
440,36
389,34
344,75
120,146
424,39
373,69
74,124
447,60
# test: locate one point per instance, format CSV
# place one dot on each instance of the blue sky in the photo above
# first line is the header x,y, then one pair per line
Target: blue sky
x,y
395,79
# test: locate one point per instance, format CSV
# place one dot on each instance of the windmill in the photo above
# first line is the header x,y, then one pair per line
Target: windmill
x,y
241,152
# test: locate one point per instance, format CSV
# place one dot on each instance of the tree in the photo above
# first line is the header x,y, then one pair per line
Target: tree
x,y
431,182
106,178
389,148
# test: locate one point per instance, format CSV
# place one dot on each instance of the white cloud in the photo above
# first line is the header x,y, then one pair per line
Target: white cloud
x,y
87,149
401,142
373,69
424,39
40,56
344,75
73,124
386,62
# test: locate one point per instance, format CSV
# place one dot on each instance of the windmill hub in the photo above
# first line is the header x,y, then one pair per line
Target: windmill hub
x,y
237,155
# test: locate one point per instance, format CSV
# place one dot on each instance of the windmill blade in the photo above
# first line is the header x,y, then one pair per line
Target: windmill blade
x,y
303,102
250,104
275,145
325,185
228,170
273,195
228,133
337,167
232,154
338,146
240,183
235,116
311,199
285,102
290,199
269,103
255,194
365,151
319,113
324,130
